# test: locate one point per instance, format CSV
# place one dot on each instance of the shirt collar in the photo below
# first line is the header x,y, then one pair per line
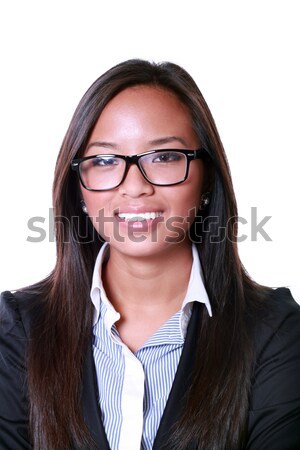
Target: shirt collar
x,y
195,291
98,293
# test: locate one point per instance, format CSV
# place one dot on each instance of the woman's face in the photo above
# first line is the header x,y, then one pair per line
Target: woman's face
x,y
137,120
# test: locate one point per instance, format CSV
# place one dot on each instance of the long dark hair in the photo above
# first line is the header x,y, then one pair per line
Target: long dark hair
x,y
218,397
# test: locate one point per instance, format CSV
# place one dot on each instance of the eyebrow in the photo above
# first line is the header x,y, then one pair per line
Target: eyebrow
x,y
154,142
102,144
167,140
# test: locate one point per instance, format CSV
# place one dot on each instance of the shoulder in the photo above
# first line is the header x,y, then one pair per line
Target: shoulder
x,y
277,350
15,319
274,414
18,313
280,321
13,334
18,310
282,302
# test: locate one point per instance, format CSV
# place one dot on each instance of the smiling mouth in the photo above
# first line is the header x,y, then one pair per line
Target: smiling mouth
x,y
138,217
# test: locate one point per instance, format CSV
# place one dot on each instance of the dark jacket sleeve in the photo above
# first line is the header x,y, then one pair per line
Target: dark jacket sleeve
x,y
13,387
274,417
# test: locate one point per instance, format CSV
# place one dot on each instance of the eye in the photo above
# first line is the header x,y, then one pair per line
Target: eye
x,y
104,161
167,157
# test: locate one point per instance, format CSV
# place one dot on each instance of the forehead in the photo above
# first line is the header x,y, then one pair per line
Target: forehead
x,y
137,95
150,109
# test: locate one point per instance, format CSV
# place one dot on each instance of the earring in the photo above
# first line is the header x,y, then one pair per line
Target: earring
x,y
83,206
204,201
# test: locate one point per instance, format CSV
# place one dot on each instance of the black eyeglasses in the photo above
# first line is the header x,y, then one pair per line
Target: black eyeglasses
x,y
165,167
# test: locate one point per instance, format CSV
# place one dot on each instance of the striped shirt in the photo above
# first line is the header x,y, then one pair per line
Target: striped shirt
x,y
134,387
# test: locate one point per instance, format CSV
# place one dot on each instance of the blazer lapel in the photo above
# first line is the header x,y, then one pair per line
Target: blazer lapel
x,y
175,403
90,403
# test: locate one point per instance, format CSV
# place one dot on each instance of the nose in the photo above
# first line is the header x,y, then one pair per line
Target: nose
x,y
135,184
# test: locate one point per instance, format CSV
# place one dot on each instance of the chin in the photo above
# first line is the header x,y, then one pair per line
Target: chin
x,y
141,245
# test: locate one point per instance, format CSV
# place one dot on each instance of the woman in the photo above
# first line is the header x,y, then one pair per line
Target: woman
x,y
131,342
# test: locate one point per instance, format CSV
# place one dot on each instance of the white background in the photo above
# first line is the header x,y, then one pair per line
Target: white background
x,y
244,55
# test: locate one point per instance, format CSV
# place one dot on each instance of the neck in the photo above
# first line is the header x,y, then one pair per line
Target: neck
x,y
146,291
145,283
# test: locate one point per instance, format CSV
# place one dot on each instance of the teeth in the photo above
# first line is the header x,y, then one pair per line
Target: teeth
x,y
139,217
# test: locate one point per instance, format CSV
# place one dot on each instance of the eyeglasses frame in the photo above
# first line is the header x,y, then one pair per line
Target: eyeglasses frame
x,y
134,159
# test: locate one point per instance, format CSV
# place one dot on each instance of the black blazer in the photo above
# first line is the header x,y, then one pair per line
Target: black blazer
x,y
274,410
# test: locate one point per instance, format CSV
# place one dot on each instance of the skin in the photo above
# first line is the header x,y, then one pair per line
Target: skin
x,y
152,274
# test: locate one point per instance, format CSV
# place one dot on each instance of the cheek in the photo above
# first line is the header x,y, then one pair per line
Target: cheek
x,y
189,193
197,182
184,203
96,201
186,199
97,204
